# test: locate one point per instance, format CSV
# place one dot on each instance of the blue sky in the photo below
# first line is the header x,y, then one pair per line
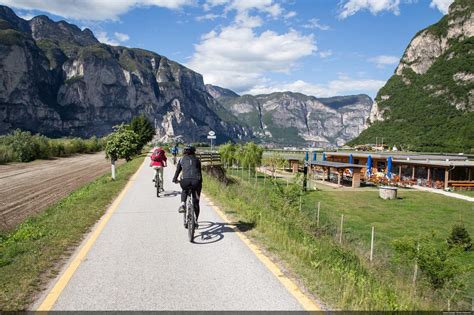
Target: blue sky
x,y
317,47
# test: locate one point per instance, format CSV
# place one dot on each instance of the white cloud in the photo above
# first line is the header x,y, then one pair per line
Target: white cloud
x,y
208,16
325,53
26,16
341,86
244,20
314,23
116,40
92,10
351,7
264,6
103,37
209,4
442,5
121,37
290,14
238,58
384,60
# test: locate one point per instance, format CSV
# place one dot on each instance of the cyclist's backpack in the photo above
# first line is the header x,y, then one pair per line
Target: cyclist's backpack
x,y
159,156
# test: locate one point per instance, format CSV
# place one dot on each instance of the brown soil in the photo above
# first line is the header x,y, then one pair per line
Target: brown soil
x,y
29,188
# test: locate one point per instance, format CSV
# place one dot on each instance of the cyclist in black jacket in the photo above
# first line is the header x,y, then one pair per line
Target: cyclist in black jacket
x,y
191,178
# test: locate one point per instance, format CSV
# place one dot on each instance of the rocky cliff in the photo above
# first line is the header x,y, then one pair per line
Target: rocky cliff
x,y
428,104
59,80
296,119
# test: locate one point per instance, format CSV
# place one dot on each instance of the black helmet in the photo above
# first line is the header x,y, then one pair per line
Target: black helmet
x,y
189,149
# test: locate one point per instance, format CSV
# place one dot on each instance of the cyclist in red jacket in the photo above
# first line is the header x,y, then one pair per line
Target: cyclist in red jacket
x,y
158,162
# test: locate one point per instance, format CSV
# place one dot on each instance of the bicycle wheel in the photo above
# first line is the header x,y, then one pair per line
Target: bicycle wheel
x,y
185,218
157,185
191,219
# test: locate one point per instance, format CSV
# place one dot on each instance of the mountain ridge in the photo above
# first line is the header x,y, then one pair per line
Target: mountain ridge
x,y
66,83
61,81
290,118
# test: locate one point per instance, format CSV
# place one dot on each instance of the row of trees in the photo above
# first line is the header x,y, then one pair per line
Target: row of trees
x,y
244,155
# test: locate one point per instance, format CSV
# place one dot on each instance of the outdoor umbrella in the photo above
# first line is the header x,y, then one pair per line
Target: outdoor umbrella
x,y
369,165
324,156
351,161
314,155
306,157
389,167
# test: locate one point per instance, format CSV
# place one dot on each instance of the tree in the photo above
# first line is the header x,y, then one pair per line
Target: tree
x,y
251,155
122,143
460,237
275,161
227,153
142,126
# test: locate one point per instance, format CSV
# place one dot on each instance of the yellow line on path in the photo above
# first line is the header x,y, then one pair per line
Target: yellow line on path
x,y
55,292
290,285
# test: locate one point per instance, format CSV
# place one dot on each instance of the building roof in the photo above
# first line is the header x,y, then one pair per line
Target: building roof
x,y
436,163
335,164
401,156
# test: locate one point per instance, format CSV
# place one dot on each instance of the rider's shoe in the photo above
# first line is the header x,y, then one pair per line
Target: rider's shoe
x,y
181,208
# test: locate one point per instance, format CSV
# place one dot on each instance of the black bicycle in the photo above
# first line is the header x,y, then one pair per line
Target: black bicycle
x,y
190,216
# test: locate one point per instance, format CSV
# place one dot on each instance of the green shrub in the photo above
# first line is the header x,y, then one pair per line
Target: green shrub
x,y
6,154
460,238
42,149
57,148
22,144
437,262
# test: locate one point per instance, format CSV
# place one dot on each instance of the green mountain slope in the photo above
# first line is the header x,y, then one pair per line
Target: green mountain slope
x,y
428,104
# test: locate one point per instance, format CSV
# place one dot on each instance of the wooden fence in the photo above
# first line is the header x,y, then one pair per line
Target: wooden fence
x,y
209,157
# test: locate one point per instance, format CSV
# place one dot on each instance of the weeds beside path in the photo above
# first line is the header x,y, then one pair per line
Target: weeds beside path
x,y
338,273
30,254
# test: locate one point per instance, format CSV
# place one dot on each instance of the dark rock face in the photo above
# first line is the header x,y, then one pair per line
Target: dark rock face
x,y
43,27
60,81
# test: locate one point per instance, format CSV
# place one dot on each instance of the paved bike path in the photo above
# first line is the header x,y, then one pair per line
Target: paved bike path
x,y
142,260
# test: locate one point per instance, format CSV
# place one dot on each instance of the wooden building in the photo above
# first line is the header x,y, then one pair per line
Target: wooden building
x,y
435,171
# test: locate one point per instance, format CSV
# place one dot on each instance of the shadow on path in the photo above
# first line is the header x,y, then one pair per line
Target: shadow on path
x,y
173,193
211,232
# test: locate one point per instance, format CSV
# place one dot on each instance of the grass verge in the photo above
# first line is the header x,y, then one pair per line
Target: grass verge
x,y
336,273
31,254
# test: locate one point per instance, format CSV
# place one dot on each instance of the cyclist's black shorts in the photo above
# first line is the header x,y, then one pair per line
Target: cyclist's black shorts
x,y
195,184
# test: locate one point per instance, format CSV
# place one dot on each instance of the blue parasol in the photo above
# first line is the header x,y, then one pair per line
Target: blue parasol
x,y
324,156
306,157
314,155
389,167
351,161
369,165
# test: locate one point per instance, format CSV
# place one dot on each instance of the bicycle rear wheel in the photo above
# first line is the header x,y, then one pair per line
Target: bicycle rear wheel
x,y
157,185
191,219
